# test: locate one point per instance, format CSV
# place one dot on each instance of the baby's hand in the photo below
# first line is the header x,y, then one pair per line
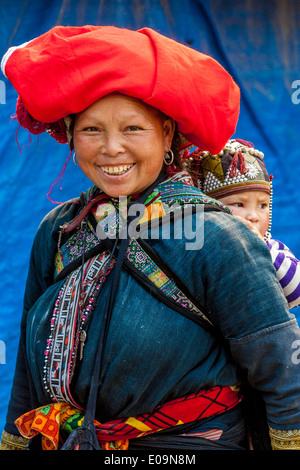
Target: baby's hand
x,y
251,226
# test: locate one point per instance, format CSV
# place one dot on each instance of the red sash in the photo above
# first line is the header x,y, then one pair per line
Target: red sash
x,y
115,434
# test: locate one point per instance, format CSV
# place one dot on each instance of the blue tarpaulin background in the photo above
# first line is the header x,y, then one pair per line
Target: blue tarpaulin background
x,y
257,42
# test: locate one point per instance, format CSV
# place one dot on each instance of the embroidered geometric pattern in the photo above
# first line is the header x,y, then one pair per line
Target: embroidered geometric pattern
x,y
142,261
83,239
212,182
184,194
72,310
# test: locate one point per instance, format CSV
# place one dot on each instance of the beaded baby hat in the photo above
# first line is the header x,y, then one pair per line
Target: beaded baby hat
x,y
237,167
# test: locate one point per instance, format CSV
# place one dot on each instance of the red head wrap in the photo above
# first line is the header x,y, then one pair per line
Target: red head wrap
x,y
67,69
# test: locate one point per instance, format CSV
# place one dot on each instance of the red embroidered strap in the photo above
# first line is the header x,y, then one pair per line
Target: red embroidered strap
x,y
49,419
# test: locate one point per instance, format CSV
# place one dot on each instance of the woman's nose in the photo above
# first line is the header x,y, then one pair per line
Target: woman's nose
x,y
112,145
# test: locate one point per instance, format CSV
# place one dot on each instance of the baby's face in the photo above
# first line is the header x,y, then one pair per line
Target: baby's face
x,y
252,206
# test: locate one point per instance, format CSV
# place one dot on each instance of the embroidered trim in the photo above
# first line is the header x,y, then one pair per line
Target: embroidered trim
x,y
285,440
84,238
181,193
72,310
12,442
143,262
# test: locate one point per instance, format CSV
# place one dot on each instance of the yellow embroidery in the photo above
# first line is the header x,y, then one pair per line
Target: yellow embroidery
x,y
285,440
12,442
158,278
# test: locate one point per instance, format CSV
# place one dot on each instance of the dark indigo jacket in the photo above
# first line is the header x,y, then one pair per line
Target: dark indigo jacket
x,y
154,354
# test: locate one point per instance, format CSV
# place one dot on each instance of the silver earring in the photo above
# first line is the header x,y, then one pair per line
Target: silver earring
x,y
169,157
74,159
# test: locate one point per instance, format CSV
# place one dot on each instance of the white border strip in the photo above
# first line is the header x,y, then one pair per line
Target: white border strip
x,y
7,55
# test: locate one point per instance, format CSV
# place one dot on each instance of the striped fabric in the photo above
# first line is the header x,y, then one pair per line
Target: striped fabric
x,y
211,434
288,271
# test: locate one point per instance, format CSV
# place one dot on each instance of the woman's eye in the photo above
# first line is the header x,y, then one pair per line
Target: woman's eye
x,y
237,204
91,129
133,128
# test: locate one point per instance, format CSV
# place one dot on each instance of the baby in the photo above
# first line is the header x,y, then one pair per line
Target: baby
x,y
238,177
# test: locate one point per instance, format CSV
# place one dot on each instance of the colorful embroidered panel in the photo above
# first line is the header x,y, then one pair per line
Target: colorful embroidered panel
x,y
142,261
73,308
84,239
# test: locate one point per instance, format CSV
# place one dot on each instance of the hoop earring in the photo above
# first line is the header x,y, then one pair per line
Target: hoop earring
x,y
170,157
74,159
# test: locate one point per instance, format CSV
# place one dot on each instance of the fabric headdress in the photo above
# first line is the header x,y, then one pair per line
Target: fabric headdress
x,y
67,69
237,167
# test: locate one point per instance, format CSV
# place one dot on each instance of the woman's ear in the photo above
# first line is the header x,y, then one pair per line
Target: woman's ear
x,y
168,130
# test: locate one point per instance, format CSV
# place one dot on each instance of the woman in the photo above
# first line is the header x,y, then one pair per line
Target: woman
x,y
132,338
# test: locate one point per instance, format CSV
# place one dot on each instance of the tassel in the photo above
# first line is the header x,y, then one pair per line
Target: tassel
x,y
60,177
25,119
233,165
238,156
57,129
244,142
243,168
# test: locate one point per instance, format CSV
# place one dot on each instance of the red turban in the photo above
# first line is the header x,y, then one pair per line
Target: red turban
x,y
67,69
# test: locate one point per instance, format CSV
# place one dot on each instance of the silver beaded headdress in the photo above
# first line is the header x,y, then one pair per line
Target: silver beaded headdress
x,y
237,167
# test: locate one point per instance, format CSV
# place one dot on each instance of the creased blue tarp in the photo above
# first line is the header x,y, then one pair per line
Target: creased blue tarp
x,y
257,42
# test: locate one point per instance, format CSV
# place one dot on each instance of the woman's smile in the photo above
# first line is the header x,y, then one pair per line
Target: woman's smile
x,y
116,170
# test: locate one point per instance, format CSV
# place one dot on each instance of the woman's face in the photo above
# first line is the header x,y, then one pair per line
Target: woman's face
x,y
252,206
120,144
